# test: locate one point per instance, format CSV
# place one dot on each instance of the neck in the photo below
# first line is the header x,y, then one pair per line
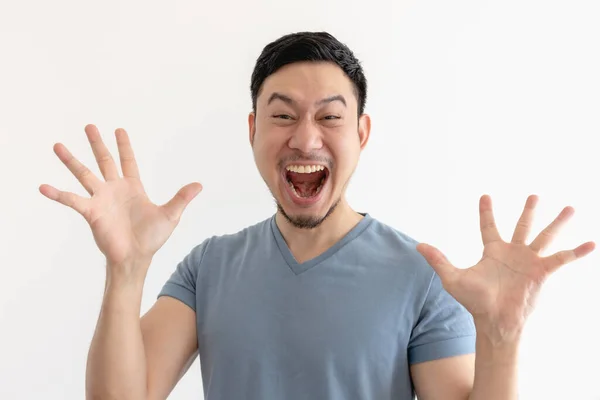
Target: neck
x,y
309,243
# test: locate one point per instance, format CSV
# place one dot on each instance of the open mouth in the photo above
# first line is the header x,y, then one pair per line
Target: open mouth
x,y
306,181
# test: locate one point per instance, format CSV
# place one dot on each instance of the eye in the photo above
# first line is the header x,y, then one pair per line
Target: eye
x,y
282,116
331,117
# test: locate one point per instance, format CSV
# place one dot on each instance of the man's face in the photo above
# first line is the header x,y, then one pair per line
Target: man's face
x,y
306,138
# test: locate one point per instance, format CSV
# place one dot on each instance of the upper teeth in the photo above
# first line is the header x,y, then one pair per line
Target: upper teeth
x,y
305,169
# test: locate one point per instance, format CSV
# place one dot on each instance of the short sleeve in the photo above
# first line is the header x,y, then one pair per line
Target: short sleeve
x,y
182,283
444,328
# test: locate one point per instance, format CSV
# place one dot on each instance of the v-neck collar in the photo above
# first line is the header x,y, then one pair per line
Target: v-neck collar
x,y
299,268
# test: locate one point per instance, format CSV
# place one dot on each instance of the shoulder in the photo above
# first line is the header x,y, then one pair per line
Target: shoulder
x,y
218,250
394,247
390,236
231,243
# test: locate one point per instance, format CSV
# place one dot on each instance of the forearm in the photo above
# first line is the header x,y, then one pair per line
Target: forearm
x,y
116,367
495,370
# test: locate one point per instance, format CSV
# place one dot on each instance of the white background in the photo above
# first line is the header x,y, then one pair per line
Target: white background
x,y
467,97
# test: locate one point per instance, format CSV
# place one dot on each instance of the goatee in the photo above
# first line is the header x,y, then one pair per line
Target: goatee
x,y
306,222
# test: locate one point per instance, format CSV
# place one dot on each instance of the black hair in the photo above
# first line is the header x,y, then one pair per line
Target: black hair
x,y
308,46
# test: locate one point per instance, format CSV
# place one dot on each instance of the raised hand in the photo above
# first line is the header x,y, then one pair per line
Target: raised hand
x,y
127,227
500,290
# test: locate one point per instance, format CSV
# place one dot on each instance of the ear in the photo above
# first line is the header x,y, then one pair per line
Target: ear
x,y
252,126
364,130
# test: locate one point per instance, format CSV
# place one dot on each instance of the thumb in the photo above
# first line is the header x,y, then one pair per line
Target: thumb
x,y
438,262
175,207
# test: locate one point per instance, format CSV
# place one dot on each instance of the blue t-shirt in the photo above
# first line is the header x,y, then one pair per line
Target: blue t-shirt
x,y
344,325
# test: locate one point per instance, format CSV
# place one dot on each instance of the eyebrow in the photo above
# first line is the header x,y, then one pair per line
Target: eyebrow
x,y
290,101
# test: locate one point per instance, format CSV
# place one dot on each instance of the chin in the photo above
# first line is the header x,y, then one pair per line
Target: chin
x,y
306,220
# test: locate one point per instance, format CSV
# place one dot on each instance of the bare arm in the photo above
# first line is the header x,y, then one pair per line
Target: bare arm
x,y
444,379
116,367
133,358
495,371
491,374
170,343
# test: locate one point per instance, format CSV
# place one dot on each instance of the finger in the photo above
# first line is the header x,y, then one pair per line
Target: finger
x,y
68,199
89,181
438,262
103,157
128,163
555,261
175,207
545,237
487,224
524,224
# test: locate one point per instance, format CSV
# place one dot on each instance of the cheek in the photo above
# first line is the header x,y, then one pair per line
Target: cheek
x,y
266,156
345,156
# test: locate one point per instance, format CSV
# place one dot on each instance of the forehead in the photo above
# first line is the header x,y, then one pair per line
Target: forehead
x,y
307,82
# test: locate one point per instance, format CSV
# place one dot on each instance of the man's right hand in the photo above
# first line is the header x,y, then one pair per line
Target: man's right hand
x,y
128,228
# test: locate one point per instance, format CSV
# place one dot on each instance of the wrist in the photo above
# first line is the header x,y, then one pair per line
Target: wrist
x,y
124,286
498,334
495,348
496,369
123,296
127,274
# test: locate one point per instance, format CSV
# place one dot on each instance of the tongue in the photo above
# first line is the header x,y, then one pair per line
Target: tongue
x,y
306,185
306,189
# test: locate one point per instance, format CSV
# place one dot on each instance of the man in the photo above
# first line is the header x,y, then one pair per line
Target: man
x,y
319,301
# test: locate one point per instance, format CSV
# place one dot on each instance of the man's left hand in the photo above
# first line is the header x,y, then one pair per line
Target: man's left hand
x,y
500,290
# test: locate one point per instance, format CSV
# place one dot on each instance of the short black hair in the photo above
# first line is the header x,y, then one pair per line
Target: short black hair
x,y
308,46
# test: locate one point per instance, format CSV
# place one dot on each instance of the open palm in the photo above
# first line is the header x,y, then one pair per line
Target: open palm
x,y
126,225
500,290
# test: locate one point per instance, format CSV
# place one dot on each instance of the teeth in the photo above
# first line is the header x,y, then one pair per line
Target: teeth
x,y
305,169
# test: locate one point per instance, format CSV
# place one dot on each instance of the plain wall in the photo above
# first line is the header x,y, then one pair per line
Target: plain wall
x,y
467,97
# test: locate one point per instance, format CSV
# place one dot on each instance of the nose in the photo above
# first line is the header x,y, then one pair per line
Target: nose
x,y
307,136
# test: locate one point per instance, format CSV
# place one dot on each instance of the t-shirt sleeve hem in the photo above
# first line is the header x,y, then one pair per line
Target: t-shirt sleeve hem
x,y
446,348
180,293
